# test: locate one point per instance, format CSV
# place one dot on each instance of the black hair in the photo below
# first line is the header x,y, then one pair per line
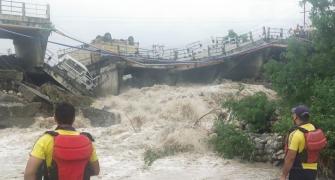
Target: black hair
x,y
304,117
65,113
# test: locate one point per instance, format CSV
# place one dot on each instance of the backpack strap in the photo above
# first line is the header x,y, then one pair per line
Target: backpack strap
x,y
302,129
88,135
52,133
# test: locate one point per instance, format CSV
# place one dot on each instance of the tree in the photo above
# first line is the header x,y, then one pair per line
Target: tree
x,y
131,40
232,34
306,74
107,37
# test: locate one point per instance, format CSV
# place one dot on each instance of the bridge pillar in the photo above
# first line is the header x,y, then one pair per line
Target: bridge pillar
x,y
32,51
29,26
109,81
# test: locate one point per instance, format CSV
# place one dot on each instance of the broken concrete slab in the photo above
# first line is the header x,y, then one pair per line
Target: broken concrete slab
x,y
18,114
31,94
100,118
10,98
57,94
11,75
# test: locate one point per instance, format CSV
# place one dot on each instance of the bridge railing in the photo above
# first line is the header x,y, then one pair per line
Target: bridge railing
x,y
203,50
217,46
24,9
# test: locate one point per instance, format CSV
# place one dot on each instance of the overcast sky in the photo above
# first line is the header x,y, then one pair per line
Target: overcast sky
x,y
173,23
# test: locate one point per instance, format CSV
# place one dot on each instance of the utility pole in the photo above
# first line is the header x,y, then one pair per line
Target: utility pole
x,y
304,15
304,12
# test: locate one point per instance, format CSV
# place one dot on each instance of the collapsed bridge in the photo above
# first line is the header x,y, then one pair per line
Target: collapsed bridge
x,y
94,69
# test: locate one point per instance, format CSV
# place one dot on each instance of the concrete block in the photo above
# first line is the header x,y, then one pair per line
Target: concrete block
x,y
11,75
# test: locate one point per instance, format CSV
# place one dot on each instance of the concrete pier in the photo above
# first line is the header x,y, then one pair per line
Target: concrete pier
x,y
29,26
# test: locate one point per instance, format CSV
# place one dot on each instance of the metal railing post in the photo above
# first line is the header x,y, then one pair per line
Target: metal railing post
x,y
237,41
251,37
23,9
48,11
224,49
281,33
209,51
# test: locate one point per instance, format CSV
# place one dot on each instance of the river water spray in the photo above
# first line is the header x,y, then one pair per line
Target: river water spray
x,y
151,118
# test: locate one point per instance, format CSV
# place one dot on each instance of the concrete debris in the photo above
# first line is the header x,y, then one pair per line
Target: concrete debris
x,y
57,94
11,75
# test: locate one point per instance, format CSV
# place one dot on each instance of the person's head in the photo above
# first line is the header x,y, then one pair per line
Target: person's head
x,y
64,113
300,114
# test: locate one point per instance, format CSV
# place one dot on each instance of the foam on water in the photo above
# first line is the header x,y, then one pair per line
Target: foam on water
x,y
152,117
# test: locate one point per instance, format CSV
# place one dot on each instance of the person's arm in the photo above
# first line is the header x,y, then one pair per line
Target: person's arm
x,y
32,167
289,160
94,163
95,168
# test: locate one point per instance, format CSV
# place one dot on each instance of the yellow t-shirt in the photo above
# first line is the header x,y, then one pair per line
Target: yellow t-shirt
x,y
297,143
43,148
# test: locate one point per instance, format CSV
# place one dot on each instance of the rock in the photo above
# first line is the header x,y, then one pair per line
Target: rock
x,y
10,92
27,94
259,146
213,135
10,98
11,75
100,118
281,156
18,114
279,152
259,152
19,94
277,163
276,145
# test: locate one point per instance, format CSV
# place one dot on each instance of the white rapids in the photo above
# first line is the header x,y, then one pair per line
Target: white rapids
x,y
151,117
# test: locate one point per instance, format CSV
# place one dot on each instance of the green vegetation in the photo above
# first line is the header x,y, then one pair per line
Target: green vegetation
x,y
151,155
305,74
255,110
232,34
231,142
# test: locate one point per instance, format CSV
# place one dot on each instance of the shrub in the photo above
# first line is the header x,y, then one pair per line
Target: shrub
x,y
231,142
283,124
151,155
255,110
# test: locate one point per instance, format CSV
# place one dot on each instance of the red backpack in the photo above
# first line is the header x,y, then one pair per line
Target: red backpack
x,y
315,142
70,159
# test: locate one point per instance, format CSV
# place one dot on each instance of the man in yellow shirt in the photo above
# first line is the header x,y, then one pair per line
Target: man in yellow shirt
x,y
46,146
294,165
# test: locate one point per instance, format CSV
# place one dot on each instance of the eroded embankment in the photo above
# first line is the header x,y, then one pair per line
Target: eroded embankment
x,y
151,118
